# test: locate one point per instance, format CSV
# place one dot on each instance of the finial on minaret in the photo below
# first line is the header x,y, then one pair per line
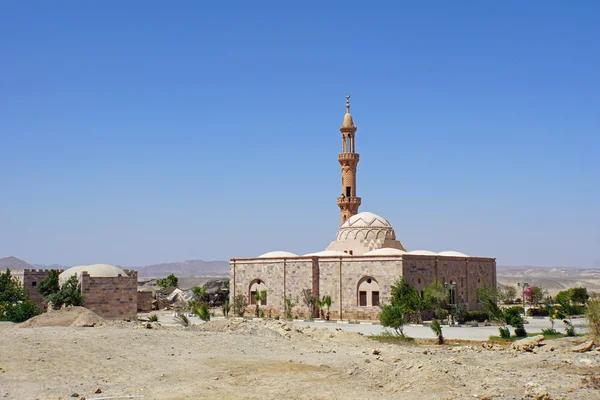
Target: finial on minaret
x,y
348,102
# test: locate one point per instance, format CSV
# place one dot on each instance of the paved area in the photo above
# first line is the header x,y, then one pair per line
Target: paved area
x,y
422,332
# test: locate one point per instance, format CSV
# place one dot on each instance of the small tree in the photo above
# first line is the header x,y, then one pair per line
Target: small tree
x,y
200,293
226,307
408,299
327,303
50,285
68,295
239,305
259,297
508,294
310,300
14,300
435,299
535,295
288,305
170,280
437,329
579,295
393,316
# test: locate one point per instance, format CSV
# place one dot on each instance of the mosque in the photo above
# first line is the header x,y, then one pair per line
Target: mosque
x,y
358,268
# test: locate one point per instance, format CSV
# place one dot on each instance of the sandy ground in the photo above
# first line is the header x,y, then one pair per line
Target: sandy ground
x,y
271,360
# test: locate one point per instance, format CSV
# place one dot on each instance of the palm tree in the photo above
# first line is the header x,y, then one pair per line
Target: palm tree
x,y
259,297
437,329
320,305
327,303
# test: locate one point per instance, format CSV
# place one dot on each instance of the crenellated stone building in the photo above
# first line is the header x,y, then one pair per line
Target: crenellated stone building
x,y
358,268
109,291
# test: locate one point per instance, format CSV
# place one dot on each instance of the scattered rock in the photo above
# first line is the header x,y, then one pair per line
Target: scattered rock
x,y
528,344
583,347
376,352
75,395
98,391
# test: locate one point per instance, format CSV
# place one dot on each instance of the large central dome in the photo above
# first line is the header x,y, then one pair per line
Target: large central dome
x,y
365,232
366,225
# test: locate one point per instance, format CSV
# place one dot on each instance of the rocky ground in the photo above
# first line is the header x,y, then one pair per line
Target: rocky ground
x,y
272,360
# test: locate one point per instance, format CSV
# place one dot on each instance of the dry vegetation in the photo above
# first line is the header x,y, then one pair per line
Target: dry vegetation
x,y
272,360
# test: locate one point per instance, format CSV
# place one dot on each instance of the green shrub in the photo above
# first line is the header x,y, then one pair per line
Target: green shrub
x,y
182,320
153,318
14,301
203,311
549,331
504,332
478,315
520,332
592,314
226,307
393,316
239,305
170,280
68,295
569,328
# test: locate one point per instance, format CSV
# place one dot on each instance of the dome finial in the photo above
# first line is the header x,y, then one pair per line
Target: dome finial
x,y
347,102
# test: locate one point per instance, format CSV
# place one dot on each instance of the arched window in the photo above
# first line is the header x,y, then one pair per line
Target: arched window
x,y
368,292
256,286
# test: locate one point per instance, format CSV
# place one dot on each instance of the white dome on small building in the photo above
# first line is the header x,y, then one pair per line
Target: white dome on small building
x,y
452,253
278,254
94,271
422,253
386,251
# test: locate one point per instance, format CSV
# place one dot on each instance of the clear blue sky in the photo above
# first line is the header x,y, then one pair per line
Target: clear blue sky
x,y
143,132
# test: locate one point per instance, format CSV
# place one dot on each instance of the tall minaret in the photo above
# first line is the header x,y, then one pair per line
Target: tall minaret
x,y
348,202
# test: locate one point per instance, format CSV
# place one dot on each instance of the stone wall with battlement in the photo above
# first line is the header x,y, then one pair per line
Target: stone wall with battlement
x,y
340,277
111,297
30,279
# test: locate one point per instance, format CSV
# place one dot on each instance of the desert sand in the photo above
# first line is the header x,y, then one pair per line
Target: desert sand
x,y
233,359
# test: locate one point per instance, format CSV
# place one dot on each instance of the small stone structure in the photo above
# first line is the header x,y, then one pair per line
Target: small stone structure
x,y
108,291
359,267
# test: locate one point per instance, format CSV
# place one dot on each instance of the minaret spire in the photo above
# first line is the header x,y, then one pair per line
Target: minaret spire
x,y
348,159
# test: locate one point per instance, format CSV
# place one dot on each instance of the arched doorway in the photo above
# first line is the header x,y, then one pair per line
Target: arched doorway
x,y
367,292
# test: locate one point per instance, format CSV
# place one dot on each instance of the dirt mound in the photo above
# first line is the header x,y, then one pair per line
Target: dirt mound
x,y
70,316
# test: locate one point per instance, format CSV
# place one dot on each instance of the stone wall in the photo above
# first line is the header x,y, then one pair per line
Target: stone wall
x,y
339,278
144,302
111,297
30,279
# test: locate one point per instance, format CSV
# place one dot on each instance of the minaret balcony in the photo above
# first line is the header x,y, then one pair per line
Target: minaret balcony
x,y
348,156
348,200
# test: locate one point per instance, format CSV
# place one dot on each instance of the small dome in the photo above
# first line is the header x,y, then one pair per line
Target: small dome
x,y
386,251
422,253
94,271
328,253
278,254
452,254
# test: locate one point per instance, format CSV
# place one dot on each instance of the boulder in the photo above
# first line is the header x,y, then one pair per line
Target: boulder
x,y
583,347
528,344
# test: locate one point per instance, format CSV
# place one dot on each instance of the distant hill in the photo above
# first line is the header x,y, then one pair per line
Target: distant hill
x,y
13,263
552,279
184,268
51,266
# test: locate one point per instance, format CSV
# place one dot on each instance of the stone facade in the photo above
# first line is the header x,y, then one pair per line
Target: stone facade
x,y
144,302
344,278
30,279
111,297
